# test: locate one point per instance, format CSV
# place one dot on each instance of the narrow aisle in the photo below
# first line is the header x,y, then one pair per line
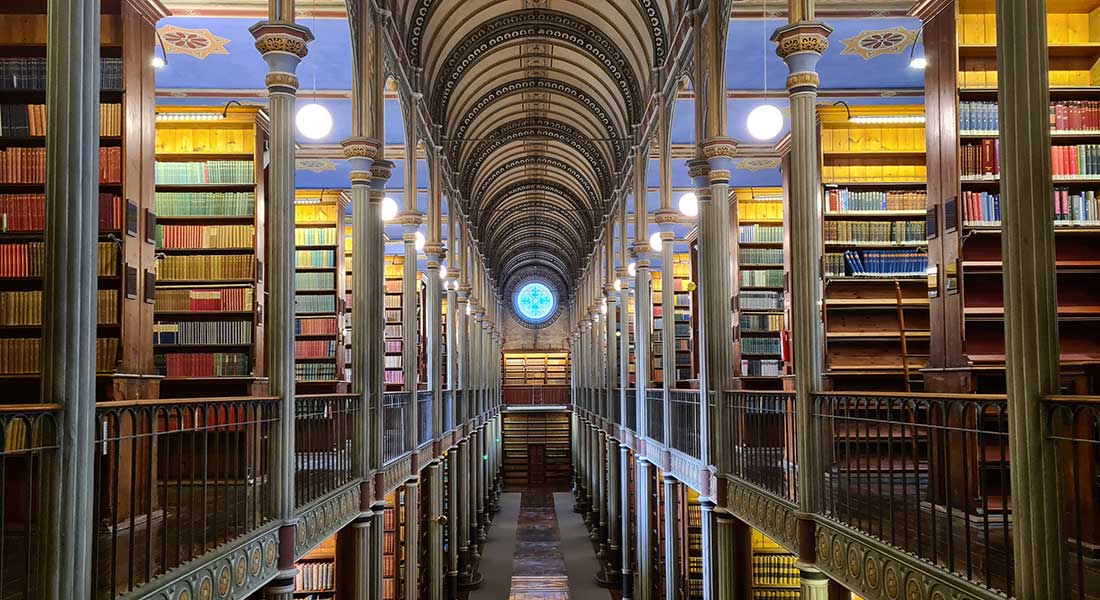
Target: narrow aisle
x,y
580,560
496,562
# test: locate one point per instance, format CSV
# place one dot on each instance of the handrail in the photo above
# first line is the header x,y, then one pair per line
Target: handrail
x,y
30,408
915,395
1067,399
177,401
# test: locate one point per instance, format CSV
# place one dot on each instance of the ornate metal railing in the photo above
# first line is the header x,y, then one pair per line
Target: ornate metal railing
x,y
174,480
684,412
631,417
395,407
1075,431
324,426
763,437
655,414
448,410
927,473
616,406
424,402
28,452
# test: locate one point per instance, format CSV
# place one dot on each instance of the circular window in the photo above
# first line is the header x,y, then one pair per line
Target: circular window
x,y
535,302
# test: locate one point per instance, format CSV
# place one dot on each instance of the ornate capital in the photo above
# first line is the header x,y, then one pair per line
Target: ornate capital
x,y
807,36
281,37
698,170
360,153
435,252
666,220
380,171
410,219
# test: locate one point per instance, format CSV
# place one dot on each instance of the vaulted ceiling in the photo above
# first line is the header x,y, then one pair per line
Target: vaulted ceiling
x,y
536,99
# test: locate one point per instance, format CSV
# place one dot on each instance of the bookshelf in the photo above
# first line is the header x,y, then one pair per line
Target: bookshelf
x,y
774,575
761,313
124,364
390,559
691,540
316,577
393,328
208,317
681,319
536,448
320,296
964,182
536,368
874,245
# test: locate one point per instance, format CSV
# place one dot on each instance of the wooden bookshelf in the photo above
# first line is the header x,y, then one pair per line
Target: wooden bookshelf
x,y
390,554
691,544
875,247
536,448
681,318
774,575
210,181
124,362
536,368
319,320
762,314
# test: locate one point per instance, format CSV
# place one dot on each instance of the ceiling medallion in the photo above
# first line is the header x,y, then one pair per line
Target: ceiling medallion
x,y
877,42
757,164
315,165
198,43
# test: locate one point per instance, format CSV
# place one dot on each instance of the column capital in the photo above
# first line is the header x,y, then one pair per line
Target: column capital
x,y
666,220
719,153
380,171
360,152
435,252
801,45
699,171
608,290
283,46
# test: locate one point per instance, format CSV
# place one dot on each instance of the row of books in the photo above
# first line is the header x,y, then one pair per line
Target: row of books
x,y
228,172
774,569
314,576
25,308
29,120
393,315
315,371
202,333
841,200
982,117
314,304
29,73
395,377
27,212
761,367
761,233
392,331
763,345
393,362
761,323
29,259
876,263
22,356
205,204
28,165
393,286
1070,208
315,348
205,236
763,277
314,258
873,231
315,236
393,346
204,300
392,300
760,300
762,256
315,281
765,594
204,364
316,326
206,268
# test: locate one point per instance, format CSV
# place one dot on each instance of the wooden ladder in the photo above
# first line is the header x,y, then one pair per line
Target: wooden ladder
x,y
907,371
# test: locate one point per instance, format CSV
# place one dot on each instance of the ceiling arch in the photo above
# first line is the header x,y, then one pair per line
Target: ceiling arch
x,y
537,100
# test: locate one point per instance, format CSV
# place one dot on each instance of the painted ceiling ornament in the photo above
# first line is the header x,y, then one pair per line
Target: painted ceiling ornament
x,y
877,42
315,165
758,164
198,43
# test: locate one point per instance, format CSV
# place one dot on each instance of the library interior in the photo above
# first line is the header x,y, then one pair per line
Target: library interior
x,y
550,299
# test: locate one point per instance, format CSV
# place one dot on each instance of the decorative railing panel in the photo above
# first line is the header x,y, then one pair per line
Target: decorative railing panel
x,y
655,415
684,412
616,406
29,436
323,429
395,407
176,479
1075,431
631,417
424,401
763,440
448,410
925,473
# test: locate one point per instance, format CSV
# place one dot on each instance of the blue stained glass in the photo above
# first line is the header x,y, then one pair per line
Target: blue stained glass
x,y
535,302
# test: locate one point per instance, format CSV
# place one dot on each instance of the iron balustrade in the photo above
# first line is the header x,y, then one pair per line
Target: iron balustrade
x,y
424,403
764,435
616,406
448,410
1075,432
631,416
655,415
324,426
926,473
395,407
29,443
175,479
684,415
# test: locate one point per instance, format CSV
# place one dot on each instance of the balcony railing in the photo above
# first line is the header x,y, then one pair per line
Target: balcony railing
x,y
616,406
1075,431
324,426
631,417
925,473
448,410
655,415
764,429
28,453
684,412
395,407
174,480
423,417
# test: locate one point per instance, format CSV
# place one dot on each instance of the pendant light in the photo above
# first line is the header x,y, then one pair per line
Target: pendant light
x,y
313,120
389,209
689,205
765,121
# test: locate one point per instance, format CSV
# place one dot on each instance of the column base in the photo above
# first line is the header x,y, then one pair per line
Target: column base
x,y
472,582
609,580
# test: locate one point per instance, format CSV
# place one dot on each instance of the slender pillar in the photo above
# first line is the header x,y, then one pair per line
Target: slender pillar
x,y
801,45
673,556
353,559
625,500
709,546
666,219
435,251
69,331
643,298
1030,298
411,220
462,508
645,492
375,246
715,323
452,522
377,543
723,560
813,583
436,522
412,538
614,513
